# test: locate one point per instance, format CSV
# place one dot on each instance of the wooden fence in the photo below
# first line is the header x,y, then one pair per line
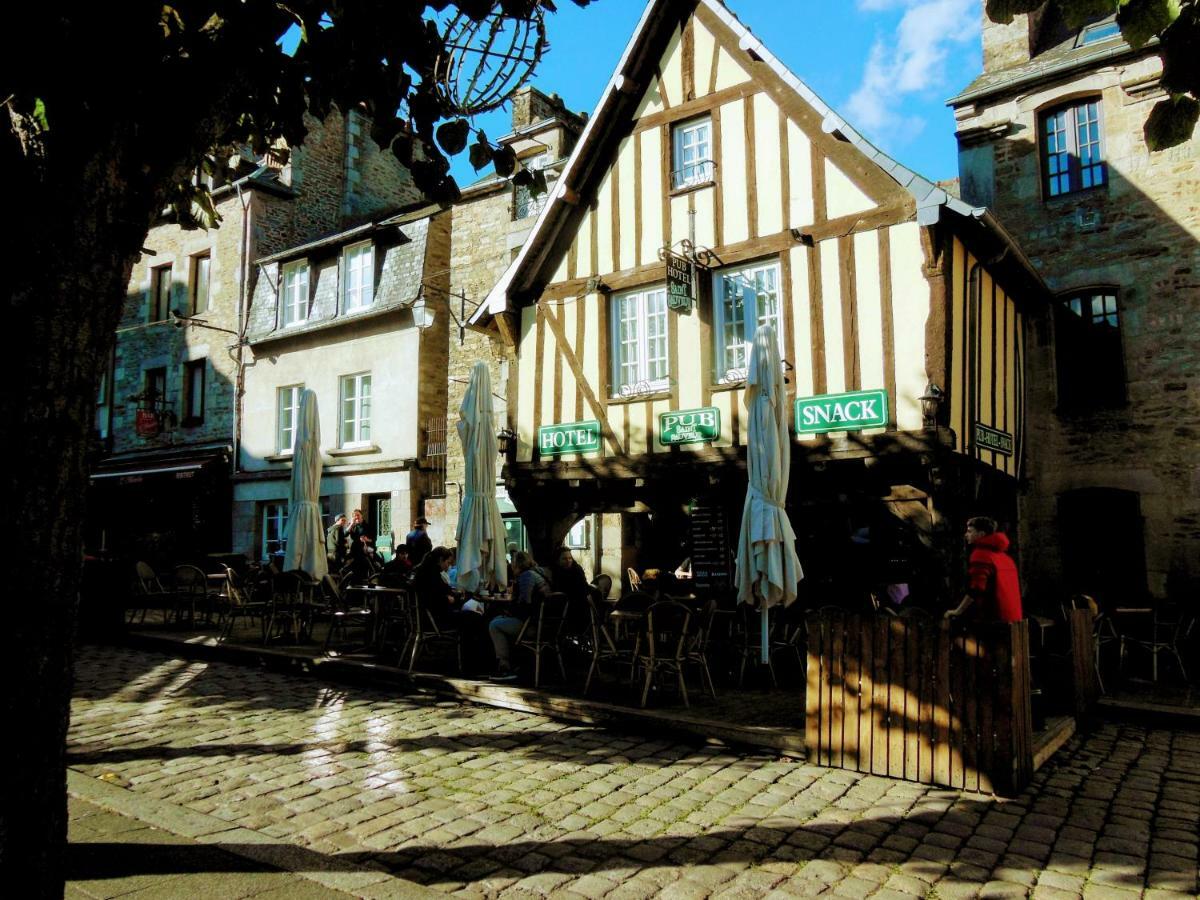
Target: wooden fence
x,y
921,699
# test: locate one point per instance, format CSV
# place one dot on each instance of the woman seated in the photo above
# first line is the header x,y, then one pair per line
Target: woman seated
x,y
433,591
531,584
567,577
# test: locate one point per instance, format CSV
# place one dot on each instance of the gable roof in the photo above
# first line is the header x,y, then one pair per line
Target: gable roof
x,y
614,111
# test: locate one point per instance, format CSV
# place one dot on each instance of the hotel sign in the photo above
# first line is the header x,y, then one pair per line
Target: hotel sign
x,y
571,437
681,282
852,411
689,426
991,439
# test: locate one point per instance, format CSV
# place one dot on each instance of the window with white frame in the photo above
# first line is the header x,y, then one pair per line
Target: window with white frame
x,y
274,527
294,292
1072,153
639,343
743,299
356,410
287,408
692,153
358,276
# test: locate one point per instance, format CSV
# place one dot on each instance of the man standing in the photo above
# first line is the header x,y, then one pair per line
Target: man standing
x,y
335,543
418,541
992,582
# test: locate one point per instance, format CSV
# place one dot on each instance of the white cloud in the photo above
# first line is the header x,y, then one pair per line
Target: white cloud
x,y
910,60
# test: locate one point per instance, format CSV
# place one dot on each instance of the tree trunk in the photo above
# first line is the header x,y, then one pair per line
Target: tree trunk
x,y
66,263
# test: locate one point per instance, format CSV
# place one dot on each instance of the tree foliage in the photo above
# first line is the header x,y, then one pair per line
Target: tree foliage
x,y
1174,24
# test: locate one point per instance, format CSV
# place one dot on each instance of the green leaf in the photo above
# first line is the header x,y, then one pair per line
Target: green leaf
x,y
523,178
39,114
453,135
505,161
1171,122
1140,20
1003,11
1079,12
537,185
481,154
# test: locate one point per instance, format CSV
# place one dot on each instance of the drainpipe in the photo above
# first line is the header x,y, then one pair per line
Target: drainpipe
x,y
246,202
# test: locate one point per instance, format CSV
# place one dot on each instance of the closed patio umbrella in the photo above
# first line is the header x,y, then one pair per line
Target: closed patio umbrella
x,y
304,534
481,549
768,569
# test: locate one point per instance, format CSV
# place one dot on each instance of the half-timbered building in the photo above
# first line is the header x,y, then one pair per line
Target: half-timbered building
x,y
713,191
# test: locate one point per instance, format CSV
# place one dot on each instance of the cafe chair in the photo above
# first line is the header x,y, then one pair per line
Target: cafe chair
x,y
1167,628
428,630
287,609
344,615
239,601
662,650
598,643
545,631
149,593
603,585
696,651
191,589
635,580
1104,631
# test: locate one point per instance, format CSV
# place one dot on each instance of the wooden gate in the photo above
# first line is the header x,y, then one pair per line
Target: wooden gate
x,y
921,699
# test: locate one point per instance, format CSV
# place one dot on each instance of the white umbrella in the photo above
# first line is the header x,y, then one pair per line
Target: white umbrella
x,y
304,534
767,567
481,549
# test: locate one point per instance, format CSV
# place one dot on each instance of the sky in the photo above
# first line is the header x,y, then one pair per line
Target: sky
x,y
887,66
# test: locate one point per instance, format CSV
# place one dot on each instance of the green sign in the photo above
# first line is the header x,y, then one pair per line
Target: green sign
x,y
841,412
681,289
992,439
573,437
689,426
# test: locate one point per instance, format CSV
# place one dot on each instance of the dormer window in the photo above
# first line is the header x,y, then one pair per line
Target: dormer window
x,y
294,292
692,153
1098,31
358,276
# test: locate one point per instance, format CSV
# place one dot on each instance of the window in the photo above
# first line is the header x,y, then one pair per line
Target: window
x,y
525,204
102,407
639,355
193,392
295,292
1098,31
743,299
160,293
692,156
1072,155
1091,364
356,410
287,407
200,268
274,526
155,386
358,276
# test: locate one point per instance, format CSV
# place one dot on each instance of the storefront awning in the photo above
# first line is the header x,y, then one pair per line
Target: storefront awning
x,y
162,470
177,466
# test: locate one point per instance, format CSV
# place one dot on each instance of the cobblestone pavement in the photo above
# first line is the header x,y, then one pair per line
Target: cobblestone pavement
x,y
488,802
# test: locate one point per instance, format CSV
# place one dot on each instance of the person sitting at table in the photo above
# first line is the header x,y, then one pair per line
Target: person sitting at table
x,y
531,584
399,566
567,577
433,591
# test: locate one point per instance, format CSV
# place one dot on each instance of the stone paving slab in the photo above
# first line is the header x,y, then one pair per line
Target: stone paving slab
x,y
486,802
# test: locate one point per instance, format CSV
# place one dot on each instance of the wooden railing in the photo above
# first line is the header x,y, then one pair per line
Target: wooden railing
x,y
921,699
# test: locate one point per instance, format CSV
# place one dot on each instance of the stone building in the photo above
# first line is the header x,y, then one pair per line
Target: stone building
x,y
489,227
1050,137
168,421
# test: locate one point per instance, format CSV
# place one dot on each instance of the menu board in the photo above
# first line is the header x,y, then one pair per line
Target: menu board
x,y
712,563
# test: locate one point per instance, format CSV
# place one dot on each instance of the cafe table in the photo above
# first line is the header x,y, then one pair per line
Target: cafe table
x,y
375,596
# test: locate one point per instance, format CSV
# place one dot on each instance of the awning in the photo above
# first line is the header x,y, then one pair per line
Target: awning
x,y
164,470
176,466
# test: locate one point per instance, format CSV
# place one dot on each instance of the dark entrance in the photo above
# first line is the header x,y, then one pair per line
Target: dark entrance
x,y
1103,544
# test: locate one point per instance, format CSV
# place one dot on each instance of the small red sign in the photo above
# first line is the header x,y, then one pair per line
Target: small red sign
x,y
146,423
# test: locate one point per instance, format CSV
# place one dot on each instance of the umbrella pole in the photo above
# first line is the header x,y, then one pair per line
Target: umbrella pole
x,y
766,636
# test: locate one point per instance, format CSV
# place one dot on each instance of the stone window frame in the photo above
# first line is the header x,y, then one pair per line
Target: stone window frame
x,y
195,371
160,293
273,511
287,399
1079,340
1076,173
296,265
200,304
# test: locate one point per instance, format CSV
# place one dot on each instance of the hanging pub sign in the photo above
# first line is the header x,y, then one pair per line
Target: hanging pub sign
x,y
571,437
689,426
146,422
991,439
851,411
681,282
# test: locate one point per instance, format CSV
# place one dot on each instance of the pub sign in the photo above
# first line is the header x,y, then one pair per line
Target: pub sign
x,y
689,426
992,439
681,283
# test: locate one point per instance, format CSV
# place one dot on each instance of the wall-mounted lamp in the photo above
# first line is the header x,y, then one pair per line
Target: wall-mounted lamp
x,y
506,441
423,313
931,402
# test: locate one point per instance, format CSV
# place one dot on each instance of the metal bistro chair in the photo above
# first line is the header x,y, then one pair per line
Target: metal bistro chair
x,y
1168,627
1104,632
239,602
603,585
149,593
635,580
598,642
545,631
427,631
663,646
696,650
342,614
191,589
286,609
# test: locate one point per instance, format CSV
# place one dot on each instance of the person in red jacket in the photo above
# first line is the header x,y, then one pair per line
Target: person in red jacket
x,y
992,582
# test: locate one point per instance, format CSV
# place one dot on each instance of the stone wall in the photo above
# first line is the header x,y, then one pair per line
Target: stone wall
x,y
1140,234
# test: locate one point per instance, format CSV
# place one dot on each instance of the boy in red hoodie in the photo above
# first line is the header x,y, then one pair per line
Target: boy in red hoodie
x,y
992,581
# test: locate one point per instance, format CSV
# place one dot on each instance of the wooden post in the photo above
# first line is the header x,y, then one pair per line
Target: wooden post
x,y
1083,663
